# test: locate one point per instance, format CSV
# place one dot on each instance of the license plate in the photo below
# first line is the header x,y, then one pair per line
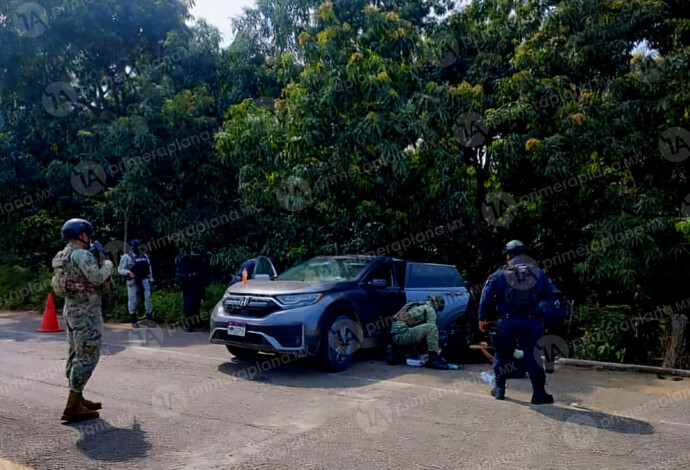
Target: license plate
x,y
236,328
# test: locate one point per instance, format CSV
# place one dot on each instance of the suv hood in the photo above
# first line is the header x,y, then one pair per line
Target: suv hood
x,y
260,287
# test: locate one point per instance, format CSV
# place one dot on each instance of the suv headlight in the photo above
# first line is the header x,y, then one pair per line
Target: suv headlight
x,y
298,300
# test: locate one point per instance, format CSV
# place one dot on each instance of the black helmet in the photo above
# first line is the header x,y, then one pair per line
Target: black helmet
x,y
73,228
135,243
514,247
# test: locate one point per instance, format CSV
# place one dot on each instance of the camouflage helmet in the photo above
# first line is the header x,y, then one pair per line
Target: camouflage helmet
x,y
514,247
436,302
73,228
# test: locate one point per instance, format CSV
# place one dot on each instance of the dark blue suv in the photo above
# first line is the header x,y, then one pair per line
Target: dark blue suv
x,y
330,306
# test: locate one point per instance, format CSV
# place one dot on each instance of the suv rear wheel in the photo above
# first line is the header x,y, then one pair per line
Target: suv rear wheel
x,y
243,354
341,337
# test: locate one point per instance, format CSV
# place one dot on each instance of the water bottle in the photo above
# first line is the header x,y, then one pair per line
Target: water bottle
x,y
487,377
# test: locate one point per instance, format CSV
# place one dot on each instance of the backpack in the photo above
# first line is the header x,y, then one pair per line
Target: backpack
x,y
60,279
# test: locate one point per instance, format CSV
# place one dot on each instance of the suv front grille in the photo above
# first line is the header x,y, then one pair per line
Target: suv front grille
x,y
253,306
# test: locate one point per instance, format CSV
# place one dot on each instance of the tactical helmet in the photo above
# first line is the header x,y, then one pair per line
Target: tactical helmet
x,y
514,247
73,228
436,302
134,245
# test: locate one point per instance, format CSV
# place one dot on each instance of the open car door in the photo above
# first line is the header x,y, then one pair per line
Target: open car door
x,y
264,269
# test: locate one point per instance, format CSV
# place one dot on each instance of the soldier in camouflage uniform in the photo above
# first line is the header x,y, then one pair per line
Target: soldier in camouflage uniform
x,y
81,287
416,323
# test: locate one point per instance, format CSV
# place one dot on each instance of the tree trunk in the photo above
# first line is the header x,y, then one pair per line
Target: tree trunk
x,y
480,169
126,226
675,347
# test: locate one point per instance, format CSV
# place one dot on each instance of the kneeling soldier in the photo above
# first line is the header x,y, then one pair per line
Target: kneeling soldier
x,y
415,323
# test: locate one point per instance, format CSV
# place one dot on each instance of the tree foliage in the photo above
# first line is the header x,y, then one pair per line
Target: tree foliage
x,y
352,126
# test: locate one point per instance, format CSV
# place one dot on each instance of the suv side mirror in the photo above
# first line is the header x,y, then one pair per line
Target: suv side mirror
x,y
377,283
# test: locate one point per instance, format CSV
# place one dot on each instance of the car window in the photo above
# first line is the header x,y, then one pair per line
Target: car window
x,y
383,271
325,269
263,266
428,275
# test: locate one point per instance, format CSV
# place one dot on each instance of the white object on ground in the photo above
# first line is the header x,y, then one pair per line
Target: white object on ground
x,y
488,377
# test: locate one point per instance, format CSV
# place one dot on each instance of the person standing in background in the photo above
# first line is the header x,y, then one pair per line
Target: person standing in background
x,y
244,272
191,273
136,265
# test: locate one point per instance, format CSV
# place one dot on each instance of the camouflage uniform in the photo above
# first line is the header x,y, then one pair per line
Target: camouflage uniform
x,y
83,315
414,325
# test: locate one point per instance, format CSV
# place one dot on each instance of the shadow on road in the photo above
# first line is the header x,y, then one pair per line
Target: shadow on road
x,y
100,440
591,418
368,367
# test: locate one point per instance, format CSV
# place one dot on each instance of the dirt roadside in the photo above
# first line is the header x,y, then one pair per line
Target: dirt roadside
x,y
171,400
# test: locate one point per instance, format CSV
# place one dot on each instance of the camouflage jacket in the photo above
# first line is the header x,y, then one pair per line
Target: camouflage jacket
x,y
414,314
83,273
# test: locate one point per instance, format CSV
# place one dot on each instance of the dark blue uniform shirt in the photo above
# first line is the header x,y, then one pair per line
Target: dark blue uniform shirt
x,y
515,289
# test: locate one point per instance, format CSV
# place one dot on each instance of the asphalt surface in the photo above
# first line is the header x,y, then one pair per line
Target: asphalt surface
x,y
171,400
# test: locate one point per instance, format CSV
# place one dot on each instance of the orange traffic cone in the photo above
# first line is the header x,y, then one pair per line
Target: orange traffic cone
x,y
49,324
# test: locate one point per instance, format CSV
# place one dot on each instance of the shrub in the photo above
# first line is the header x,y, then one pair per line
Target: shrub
x,y
22,288
167,304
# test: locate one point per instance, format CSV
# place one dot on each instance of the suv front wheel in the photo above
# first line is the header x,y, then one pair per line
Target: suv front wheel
x,y
340,339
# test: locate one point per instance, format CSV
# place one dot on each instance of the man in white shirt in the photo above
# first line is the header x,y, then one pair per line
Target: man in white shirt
x,y
137,267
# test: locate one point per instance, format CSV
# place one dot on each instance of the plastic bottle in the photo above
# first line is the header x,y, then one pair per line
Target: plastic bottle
x,y
488,377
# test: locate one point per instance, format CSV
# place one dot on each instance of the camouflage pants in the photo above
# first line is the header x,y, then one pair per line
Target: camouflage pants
x,y
84,333
404,335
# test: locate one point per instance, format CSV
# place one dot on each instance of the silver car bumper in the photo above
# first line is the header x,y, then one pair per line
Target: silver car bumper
x,y
285,331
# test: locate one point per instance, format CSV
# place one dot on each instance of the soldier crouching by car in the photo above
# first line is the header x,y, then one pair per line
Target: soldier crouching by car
x,y
414,324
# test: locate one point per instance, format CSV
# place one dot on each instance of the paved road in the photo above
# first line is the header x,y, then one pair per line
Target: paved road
x,y
173,401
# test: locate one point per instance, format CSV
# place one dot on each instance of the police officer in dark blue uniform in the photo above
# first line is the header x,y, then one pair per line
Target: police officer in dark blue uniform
x,y
191,272
515,291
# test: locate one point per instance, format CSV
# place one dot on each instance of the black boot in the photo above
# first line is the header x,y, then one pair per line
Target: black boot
x,y
394,355
135,323
437,362
541,398
499,390
539,395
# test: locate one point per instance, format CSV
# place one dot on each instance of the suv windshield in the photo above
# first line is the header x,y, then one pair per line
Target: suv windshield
x,y
323,269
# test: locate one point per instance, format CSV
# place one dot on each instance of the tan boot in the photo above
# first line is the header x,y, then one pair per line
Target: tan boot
x,y
91,405
75,409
